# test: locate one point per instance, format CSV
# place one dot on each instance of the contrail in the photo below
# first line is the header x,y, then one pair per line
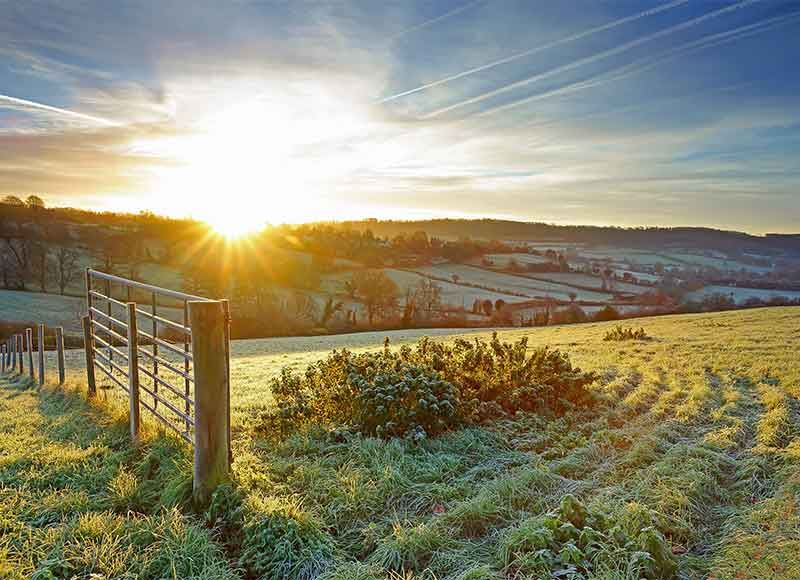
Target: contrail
x,y
631,108
590,59
66,112
439,18
531,51
649,62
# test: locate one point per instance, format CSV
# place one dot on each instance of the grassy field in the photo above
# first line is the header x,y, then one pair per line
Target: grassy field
x,y
696,436
78,501
53,309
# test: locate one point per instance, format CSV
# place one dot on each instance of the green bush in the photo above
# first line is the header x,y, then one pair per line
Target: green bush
x,y
426,389
373,393
496,378
280,540
621,333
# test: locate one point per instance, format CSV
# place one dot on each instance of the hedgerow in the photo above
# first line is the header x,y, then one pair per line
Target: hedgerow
x,y
422,391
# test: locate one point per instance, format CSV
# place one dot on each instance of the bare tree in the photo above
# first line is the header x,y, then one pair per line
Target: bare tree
x,y
40,264
329,310
66,267
377,291
428,298
19,260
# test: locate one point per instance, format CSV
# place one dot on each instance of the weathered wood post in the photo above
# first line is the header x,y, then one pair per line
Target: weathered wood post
x,y
211,444
13,347
133,371
3,356
29,344
21,358
62,371
226,308
88,346
41,355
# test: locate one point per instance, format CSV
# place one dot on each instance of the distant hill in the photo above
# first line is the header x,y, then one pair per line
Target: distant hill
x,y
650,237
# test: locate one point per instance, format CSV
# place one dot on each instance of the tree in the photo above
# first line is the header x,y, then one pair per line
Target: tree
x,y
377,291
12,200
329,310
66,267
488,307
428,298
34,202
606,314
18,260
40,264
499,304
409,308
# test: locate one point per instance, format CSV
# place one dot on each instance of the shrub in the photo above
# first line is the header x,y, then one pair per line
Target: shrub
x,y
375,394
424,390
606,313
620,333
498,378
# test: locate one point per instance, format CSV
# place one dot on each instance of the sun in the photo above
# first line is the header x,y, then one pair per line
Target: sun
x,y
233,173
235,227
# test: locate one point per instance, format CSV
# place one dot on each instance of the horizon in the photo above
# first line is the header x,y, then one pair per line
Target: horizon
x,y
432,219
627,114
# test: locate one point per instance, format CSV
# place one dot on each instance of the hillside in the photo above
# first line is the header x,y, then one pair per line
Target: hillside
x,y
342,277
705,452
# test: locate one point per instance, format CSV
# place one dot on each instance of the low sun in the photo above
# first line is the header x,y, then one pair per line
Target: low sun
x,y
235,173
235,227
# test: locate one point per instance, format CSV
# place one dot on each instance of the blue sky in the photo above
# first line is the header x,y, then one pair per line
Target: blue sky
x,y
677,112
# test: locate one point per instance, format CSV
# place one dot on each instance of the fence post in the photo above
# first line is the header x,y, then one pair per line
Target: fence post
x,y
211,444
29,341
41,355
62,371
3,356
133,371
88,346
19,348
13,352
226,308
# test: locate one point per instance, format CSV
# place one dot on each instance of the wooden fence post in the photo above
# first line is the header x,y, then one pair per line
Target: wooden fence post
x,y
19,348
133,371
29,341
226,308
211,444
13,347
88,346
3,356
62,371
41,355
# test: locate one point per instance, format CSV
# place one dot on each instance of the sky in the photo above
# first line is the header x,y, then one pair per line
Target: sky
x,y
670,112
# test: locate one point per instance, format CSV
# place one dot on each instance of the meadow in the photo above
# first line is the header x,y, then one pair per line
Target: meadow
x,y
685,467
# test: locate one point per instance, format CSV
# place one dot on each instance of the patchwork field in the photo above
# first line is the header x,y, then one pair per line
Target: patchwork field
x,y
741,294
703,454
520,285
585,280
